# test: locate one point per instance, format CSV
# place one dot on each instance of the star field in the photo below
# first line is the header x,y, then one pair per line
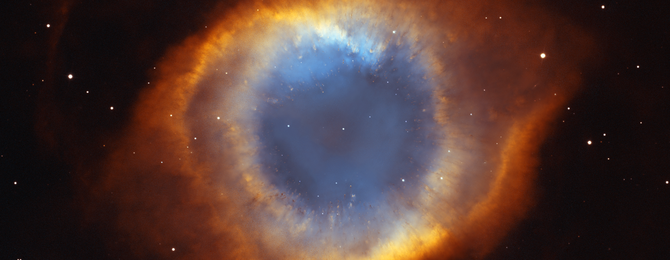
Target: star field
x,y
328,133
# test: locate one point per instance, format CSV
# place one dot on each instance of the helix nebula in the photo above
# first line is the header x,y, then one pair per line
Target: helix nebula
x,y
342,130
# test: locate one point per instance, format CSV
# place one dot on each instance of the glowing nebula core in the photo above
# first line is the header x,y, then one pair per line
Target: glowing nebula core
x,y
342,130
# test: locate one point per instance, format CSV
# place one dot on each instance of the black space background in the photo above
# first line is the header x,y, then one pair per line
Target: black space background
x,y
589,207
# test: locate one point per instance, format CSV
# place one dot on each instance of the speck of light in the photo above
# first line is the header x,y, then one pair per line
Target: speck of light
x,y
69,76
48,25
218,118
14,183
589,142
342,128
111,108
403,180
173,249
393,32
602,7
543,55
666,182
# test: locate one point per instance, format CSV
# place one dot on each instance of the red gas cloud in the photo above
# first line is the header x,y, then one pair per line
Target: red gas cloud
x,y
182,173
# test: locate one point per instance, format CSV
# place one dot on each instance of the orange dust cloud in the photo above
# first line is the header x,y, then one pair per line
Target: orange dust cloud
x,y
183,173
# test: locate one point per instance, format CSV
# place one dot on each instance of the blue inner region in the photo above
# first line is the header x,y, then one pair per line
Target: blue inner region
x,y
339,130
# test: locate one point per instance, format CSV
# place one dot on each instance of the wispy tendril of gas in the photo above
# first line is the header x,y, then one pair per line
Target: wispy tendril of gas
x,y
343,130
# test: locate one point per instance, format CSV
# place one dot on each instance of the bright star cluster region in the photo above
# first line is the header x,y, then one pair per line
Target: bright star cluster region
x,y
342,130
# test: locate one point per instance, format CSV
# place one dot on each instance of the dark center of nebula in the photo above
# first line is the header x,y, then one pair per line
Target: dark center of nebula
x,y
339,130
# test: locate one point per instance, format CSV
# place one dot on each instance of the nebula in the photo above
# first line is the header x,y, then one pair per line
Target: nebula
x,y
341,130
